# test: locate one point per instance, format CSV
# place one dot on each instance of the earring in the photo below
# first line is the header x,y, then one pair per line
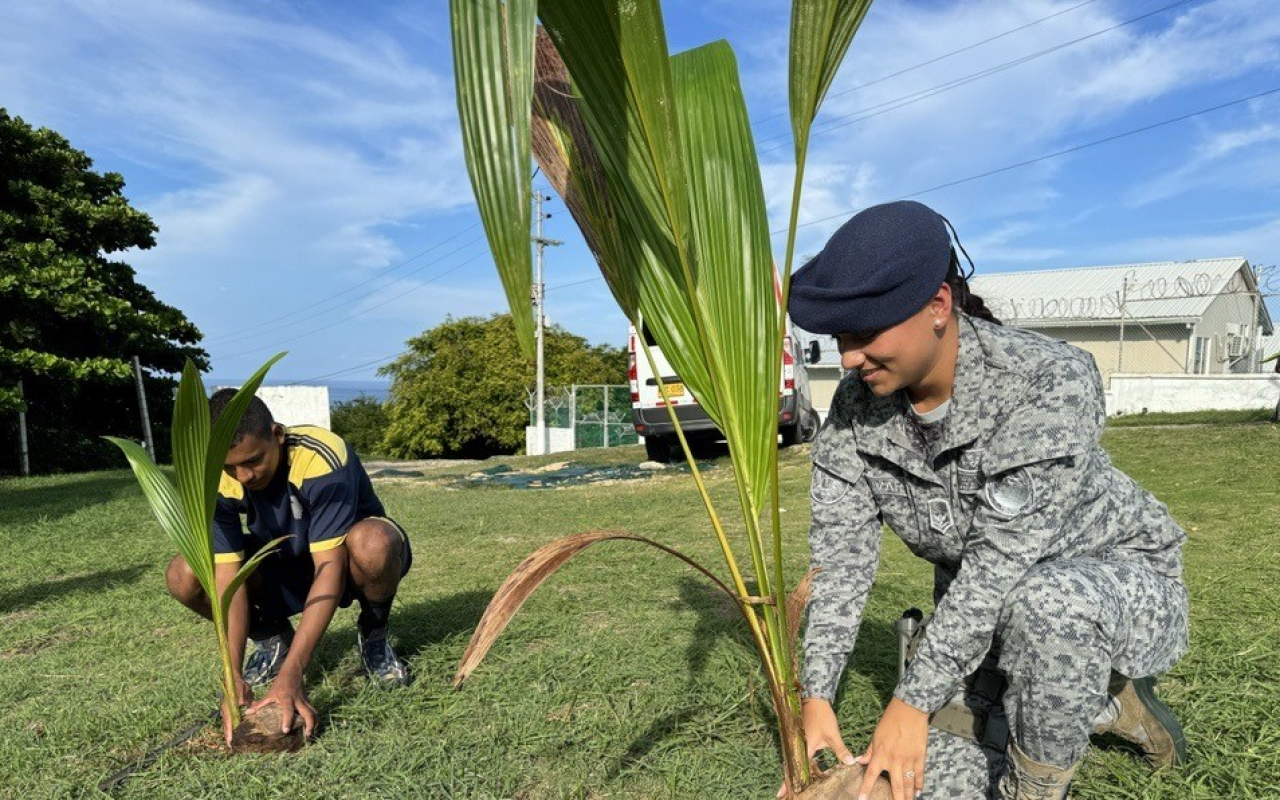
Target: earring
x,y
937,324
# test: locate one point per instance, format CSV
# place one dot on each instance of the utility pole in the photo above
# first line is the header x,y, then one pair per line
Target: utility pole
x,y
22,431
539,308
142,404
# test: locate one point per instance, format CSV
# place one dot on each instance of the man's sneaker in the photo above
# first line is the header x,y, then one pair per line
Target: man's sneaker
x,y
380,661
1142,720
267,658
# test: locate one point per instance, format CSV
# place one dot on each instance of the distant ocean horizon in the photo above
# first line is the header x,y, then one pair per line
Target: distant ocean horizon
x,y
339,391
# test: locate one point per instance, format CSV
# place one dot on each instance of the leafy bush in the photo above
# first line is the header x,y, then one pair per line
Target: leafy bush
x,y
363,423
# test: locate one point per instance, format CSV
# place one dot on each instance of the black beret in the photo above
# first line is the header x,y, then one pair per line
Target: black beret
x,y
877,270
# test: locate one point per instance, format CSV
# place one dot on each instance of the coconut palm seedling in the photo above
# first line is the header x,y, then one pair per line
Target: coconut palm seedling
x,y
185,510
654,158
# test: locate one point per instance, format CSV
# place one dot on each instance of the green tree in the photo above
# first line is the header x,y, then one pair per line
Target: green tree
x,y
72,317
362,422
461,388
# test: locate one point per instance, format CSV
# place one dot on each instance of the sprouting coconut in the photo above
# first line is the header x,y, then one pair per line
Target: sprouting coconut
x,y
654,158
186,511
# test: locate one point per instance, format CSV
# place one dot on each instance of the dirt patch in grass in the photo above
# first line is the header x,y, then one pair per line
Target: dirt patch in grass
x,y
44,641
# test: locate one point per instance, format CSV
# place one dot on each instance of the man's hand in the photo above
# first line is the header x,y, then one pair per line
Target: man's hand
x,y
244,698
898,748
821,731
286,691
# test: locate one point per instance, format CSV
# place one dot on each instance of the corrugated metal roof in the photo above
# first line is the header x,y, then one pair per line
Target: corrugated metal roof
x,y
1166,290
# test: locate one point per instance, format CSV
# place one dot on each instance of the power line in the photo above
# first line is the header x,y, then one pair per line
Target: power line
x,y
346,371
924,94
935,60
407,275
362,312
275,321
1057,154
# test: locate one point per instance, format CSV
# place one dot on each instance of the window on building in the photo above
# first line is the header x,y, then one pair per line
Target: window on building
x,y
1200,355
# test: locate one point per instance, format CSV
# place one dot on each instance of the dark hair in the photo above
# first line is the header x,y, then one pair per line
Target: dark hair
x,y
962,298
257,419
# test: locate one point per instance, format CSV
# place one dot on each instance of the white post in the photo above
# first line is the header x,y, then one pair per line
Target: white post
x,y
539,307
606,415
573,415
22,432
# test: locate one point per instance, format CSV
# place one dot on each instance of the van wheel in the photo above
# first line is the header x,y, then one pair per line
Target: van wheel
x,y
814,424
790,434
657,448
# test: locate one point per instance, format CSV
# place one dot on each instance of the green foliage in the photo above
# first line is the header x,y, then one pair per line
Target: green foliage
x,y
186,511
73,318
654,157
495,52
461,388
362,422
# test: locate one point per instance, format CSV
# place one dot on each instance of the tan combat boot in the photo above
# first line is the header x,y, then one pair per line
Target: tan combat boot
x,y
1026,779
1143,721
1029,780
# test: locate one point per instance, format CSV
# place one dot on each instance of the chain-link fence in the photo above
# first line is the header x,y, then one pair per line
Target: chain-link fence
x,y
598,415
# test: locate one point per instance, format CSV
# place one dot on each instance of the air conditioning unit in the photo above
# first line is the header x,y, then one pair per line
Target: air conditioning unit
x,y
1235,345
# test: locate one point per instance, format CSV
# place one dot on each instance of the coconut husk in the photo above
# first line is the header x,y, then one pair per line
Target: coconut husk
x,y
260,732
842,782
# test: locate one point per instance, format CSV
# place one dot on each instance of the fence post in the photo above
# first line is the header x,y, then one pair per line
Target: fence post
x,y
22,431
142,404
1124,299
606,389
573,414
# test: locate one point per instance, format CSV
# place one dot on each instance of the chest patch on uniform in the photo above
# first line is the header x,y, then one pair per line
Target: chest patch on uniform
x,y
940,515
295,506
968,469
1011,493
825,488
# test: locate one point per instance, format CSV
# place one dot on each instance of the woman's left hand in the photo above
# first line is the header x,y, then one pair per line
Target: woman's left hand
x,y
897,747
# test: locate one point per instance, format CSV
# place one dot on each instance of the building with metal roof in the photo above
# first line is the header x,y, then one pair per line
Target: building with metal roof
x,y
1201,317
1193,317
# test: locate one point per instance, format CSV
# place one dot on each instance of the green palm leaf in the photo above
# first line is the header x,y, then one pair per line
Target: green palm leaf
x,y
493,65
735,293
821,31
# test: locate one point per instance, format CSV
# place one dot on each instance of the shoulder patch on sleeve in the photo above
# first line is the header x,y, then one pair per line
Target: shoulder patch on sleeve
x,y
230,488
1011,493
313,452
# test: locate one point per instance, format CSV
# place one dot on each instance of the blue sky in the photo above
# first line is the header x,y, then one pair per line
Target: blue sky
x,y
304,165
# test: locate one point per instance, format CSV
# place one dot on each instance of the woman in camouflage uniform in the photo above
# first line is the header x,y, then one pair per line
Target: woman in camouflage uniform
x,y
979,446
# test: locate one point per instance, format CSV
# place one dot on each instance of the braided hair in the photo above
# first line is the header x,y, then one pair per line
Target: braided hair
x,y
958,280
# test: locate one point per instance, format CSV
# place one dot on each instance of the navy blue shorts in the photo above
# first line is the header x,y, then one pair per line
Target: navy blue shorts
x,y
279,587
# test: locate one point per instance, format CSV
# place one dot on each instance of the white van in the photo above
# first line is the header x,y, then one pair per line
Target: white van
x,y
797,420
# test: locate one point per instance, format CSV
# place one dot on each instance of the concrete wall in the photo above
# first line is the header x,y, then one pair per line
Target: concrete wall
x,y
823,380
295,405
1229,313
1130,394
559,440
1155,348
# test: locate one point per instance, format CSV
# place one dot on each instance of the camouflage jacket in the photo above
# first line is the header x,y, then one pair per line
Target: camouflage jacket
x,y
1018,477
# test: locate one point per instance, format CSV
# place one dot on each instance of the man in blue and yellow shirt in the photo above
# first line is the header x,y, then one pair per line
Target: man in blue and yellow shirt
x,y
305,483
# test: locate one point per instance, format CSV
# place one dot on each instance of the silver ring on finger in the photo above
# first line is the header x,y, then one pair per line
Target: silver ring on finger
x,y
909,774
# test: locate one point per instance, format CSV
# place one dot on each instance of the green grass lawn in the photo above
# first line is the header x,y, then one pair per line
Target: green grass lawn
x,y
626,676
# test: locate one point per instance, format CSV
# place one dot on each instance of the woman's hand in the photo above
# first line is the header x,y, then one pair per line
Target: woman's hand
x,y
898,748
821,731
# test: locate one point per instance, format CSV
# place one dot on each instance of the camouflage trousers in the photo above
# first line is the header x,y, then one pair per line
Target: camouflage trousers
x,y
1062,631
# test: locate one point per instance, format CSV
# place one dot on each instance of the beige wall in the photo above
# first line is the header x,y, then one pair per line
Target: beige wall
x,y
1153,349
823,380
